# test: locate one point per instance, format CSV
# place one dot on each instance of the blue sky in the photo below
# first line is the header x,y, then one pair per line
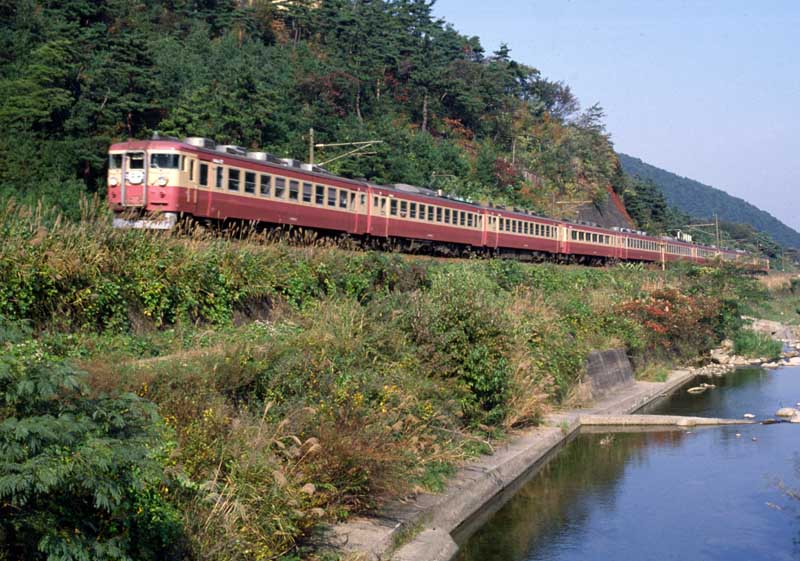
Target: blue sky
x,y
705,89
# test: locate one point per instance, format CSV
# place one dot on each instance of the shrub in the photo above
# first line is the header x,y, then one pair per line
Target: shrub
x,y
675,324
80,478
462,330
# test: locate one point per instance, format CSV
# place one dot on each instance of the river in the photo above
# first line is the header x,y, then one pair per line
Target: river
x,y
693,494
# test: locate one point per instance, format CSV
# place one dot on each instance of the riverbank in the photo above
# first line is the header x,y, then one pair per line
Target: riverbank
x,y
297,387
422,529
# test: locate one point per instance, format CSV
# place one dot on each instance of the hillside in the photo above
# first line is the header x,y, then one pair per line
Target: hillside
x,y
76,76
702,201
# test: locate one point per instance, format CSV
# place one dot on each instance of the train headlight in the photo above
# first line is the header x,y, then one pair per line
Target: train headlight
x,y
113,181
162,180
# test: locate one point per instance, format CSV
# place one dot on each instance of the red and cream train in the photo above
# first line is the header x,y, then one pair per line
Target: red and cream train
x,y
153,183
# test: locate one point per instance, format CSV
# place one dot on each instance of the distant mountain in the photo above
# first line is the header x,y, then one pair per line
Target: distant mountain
x,y
702,201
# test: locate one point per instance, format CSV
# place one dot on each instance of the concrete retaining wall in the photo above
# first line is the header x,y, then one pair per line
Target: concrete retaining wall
x,y
607,371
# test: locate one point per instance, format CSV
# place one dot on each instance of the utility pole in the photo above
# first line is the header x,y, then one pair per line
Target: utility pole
x,y
311,146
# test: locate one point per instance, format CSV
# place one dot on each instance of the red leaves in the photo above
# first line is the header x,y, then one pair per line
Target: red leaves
x,y
672,319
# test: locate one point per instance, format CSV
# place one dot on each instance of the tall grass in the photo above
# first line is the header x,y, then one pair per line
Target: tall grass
x,y
753,344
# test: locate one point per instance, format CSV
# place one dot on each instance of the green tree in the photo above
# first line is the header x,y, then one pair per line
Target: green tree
x,y
80,476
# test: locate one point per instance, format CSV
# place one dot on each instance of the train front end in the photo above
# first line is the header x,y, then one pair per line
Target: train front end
x,y
145,182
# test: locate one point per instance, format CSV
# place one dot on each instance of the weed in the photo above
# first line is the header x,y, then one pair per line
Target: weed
x,y
752,344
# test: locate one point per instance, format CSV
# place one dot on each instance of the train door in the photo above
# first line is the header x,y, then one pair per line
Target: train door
x,y
191,185
492,233
361,211
134,179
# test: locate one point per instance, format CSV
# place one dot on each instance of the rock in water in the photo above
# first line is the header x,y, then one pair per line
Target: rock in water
x,y
749,416
795,419
787,412
696,389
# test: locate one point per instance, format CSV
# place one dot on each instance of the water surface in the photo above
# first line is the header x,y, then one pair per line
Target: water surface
x,y
696,494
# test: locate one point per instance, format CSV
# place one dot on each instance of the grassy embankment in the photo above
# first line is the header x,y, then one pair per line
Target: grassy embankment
x,y
295,386
783,304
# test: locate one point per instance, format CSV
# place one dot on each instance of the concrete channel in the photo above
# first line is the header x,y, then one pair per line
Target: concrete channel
x,y
421,530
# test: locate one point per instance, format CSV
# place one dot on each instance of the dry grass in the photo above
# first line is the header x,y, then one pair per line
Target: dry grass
x,y
531,387
778,282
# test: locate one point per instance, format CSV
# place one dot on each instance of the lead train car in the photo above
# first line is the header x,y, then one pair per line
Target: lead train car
x,y
151,184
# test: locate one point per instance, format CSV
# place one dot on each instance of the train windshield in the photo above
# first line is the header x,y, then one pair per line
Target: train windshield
x,y
165,161
136,160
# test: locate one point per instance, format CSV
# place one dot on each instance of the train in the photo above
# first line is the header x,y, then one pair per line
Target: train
x,y
155,183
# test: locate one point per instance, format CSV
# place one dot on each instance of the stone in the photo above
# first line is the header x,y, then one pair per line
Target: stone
x,y
696,389
720,356
787,412
749,416
795,419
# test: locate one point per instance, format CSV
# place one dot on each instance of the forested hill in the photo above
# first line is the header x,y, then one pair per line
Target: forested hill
x,y
78,74
702,201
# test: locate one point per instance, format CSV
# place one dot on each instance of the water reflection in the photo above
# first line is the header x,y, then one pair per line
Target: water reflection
x,y
694,494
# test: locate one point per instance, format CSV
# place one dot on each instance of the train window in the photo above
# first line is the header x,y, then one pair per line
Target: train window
x,y
219,179
501,225
280,187
266,185
233,179
203,174
594,238
294,189
115,161
191,170
430,213
412,210
165,161
383,206
307,190
183,163
462,219
393,207
438,214
342,199
421,212
574,235
363,200
352,201
249,182
136,160
447,216
331,196
403,209
469,220
319,194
